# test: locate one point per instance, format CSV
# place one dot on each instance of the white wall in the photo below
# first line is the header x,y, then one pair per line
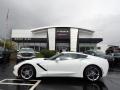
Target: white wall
x,y
21,34
40,34
85,34
73,39
51,37
29,34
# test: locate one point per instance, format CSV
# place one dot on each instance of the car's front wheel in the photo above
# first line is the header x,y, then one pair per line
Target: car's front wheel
x,y
92,73
27,72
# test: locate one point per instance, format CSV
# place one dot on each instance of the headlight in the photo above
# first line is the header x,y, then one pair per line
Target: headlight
x,y
34,55
19,54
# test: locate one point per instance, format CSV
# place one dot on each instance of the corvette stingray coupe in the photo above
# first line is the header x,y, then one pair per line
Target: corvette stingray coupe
x,y
65,64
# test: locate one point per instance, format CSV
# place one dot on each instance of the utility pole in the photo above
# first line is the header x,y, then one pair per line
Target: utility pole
x,y
5,33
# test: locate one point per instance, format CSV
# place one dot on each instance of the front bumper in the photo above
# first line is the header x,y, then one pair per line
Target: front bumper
x,y
16,74
24,58
15,71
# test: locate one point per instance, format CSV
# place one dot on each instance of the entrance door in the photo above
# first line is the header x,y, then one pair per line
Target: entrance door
x,y
62,47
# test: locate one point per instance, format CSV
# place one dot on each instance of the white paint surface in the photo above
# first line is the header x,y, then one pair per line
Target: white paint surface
x,y
73,39
29,34
51,37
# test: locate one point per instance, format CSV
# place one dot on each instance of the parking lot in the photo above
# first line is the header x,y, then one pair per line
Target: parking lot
x,y
9,82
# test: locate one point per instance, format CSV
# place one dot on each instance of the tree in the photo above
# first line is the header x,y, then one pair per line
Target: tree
x,y
8,44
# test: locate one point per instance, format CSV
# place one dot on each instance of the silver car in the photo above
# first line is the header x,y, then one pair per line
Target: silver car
x,y
25,54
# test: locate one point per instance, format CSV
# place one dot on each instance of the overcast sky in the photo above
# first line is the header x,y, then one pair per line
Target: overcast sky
x,y
102,16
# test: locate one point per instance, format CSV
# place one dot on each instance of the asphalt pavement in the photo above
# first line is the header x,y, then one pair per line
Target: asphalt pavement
x,y
9,82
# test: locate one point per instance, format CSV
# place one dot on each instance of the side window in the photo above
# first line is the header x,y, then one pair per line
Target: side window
x,y
77,56
81,56
64,57
70,56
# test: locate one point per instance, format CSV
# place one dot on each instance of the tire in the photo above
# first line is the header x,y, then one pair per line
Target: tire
x,y
92,73
27,72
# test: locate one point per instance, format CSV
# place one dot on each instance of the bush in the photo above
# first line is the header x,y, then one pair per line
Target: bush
x,y
47,53
39,55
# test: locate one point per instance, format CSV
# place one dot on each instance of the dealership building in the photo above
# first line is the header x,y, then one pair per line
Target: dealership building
x,y
56,38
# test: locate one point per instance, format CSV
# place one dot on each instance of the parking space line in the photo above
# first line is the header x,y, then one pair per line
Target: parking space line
x,y
2,80
17,84
35,85
19,79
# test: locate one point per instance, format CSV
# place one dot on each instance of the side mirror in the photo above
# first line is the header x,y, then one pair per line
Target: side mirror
x,y
57,59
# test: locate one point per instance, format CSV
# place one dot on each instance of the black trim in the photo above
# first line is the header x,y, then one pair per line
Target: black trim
x,y
47,40
90,40
55,39
77,49
43,40
64,39
42,67
69,39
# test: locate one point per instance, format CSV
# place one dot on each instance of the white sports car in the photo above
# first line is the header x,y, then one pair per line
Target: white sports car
x,y
65,64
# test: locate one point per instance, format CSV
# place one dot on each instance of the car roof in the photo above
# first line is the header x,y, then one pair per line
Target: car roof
x,y
74,52
26,48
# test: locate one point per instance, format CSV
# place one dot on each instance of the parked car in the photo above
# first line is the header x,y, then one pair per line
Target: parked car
x,y
116,56
100,54
4,55
65,64
25,53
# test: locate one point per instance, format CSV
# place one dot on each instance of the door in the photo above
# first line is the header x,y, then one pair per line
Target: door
x,y
63,65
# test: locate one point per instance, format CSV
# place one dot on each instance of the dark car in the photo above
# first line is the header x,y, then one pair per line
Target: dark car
x,y
100,54
116,56
4,55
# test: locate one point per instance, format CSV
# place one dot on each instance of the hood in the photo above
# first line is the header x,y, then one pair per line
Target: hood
x,y
35,60
25,52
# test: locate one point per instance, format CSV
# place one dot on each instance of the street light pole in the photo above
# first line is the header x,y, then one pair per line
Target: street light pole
x,y
5,37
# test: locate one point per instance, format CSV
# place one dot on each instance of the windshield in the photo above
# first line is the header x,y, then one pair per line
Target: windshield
x,y
27,49
100,53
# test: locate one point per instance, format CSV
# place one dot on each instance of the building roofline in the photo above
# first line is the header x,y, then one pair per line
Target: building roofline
x,y
38,29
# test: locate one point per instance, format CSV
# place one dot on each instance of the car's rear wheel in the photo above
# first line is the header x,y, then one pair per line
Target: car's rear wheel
x,y
92,73
27,72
